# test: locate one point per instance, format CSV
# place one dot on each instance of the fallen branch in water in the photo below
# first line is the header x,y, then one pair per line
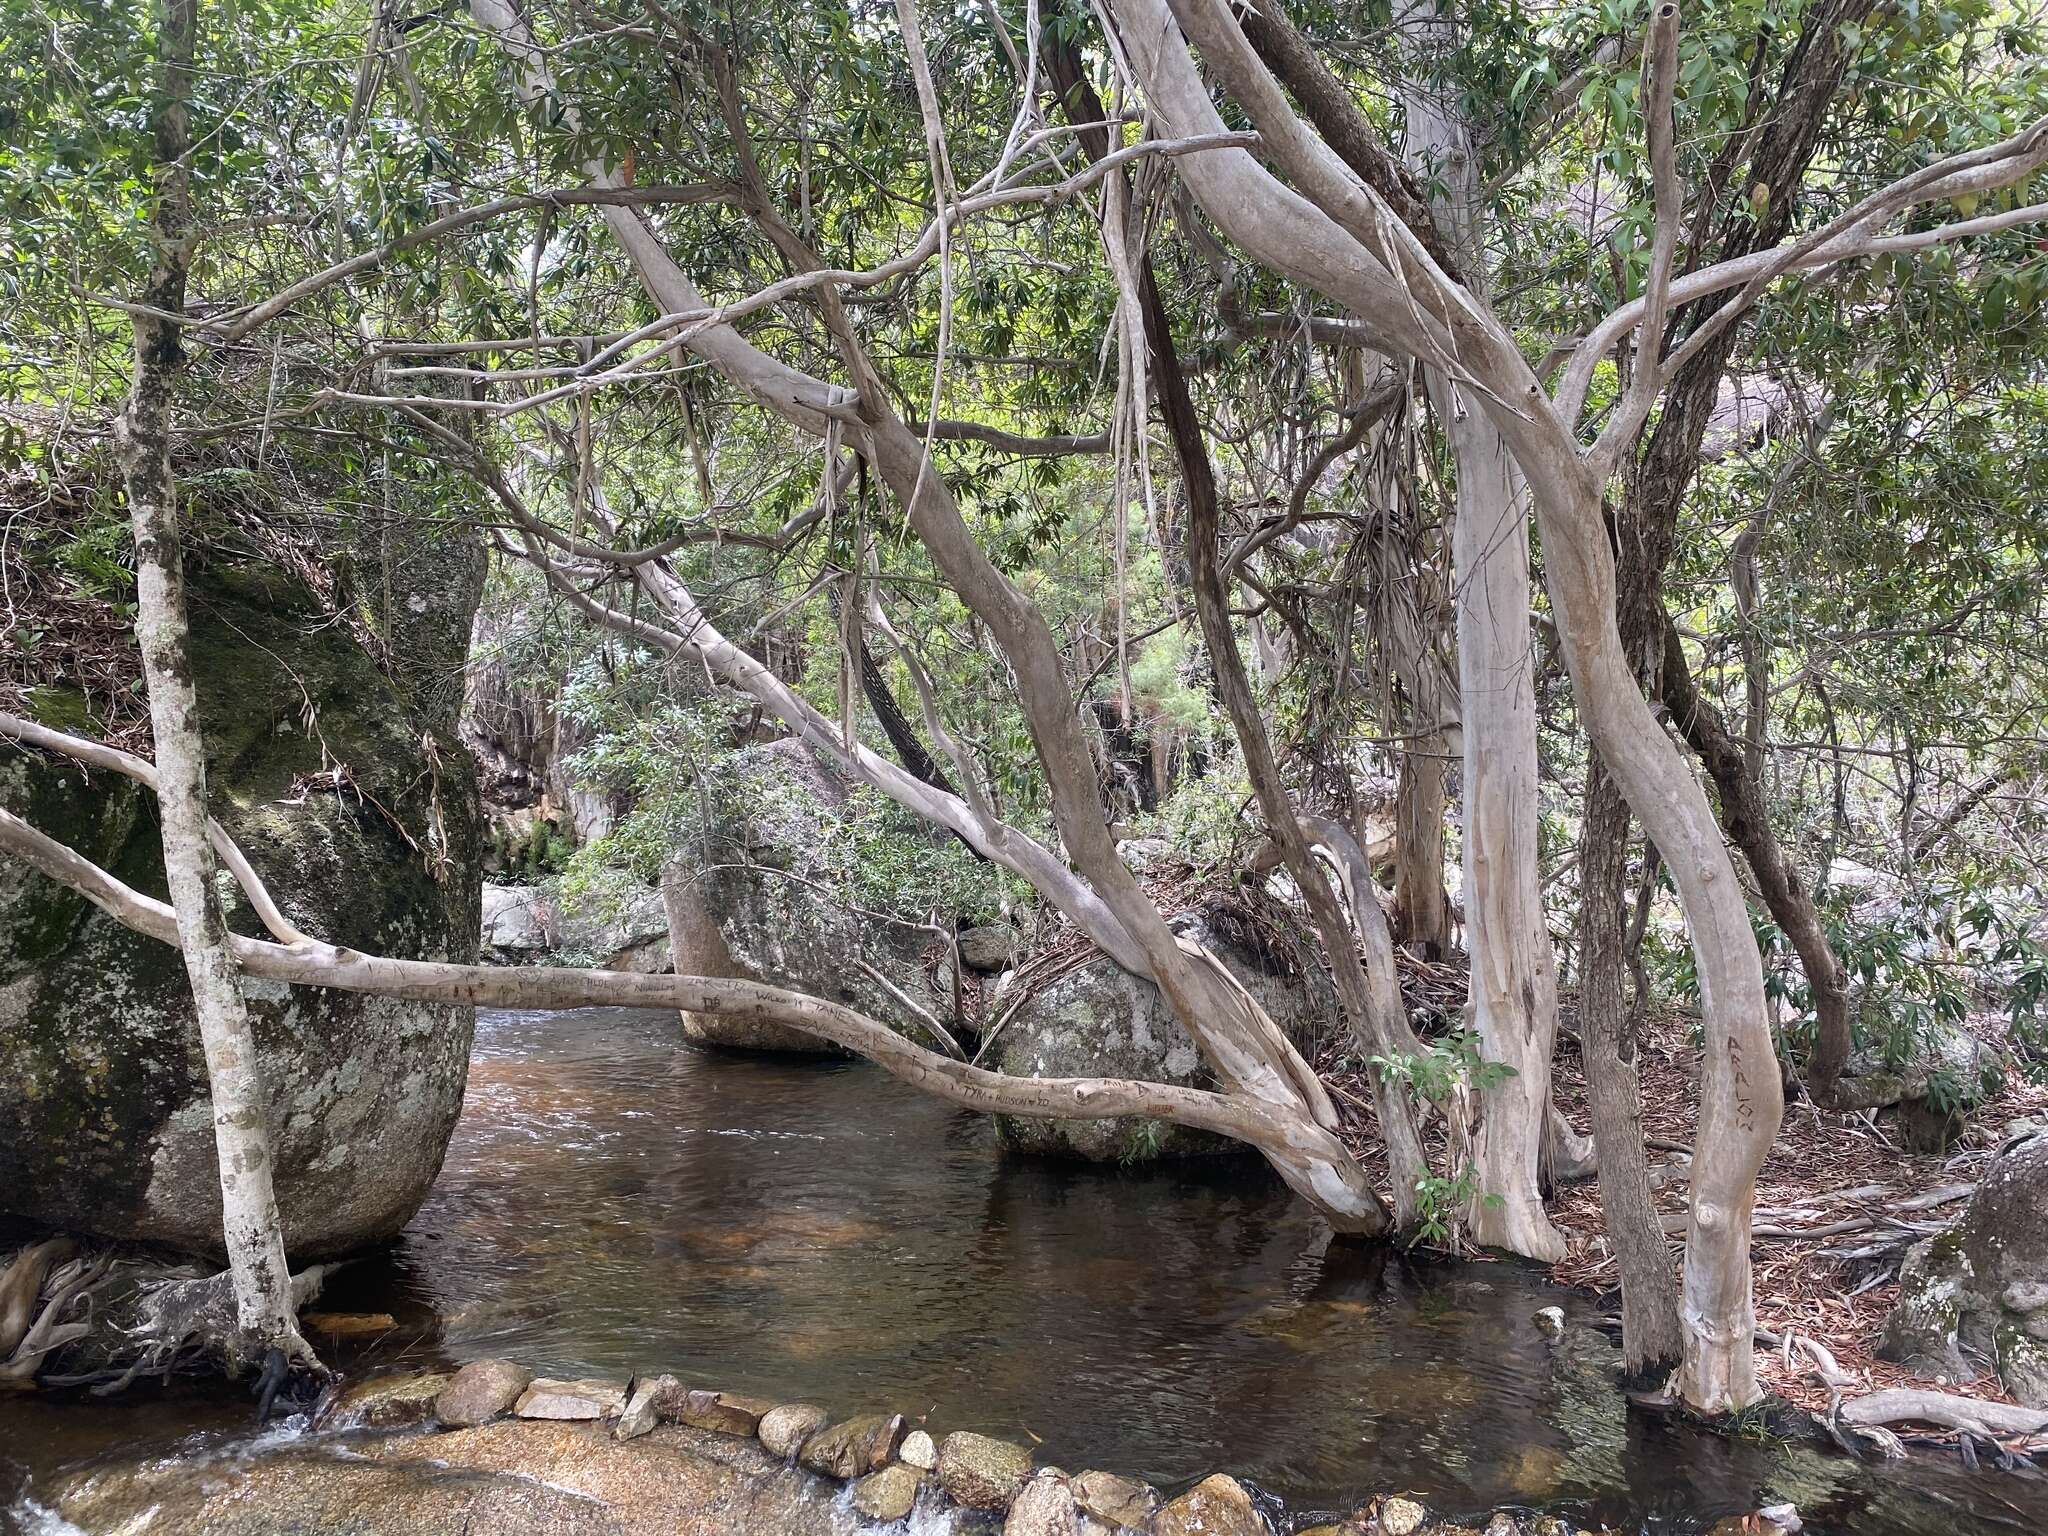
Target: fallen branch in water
x,y
1297,1146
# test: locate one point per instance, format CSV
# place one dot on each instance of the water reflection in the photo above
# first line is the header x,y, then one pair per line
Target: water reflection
x,y
616,1200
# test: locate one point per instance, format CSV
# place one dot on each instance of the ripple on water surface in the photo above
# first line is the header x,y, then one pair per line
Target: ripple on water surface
x,y
615,1200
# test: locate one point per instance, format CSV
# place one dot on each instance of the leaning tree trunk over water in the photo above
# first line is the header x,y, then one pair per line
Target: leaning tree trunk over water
x,y
1289,1140
1512,1002
1239,1041
253,1235
1372,1003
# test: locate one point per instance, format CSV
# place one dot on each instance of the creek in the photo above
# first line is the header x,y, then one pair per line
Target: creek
x,y
616,1200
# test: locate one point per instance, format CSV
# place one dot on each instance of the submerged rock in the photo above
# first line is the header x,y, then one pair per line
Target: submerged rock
x,y
742,900
1979,1291
480,1391
360,812
981,1471
1098,1020
389,1402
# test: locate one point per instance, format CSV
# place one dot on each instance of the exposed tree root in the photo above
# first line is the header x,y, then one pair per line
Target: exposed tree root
x,y
107,1319
21,1284
1902,1405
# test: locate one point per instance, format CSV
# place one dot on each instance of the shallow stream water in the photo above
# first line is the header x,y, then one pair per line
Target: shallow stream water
x,y
618,1201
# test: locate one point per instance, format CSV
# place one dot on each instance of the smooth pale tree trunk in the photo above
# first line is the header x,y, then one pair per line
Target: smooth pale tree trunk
x,y
1238,1039
1369,991
142,446
1512,997
1512,1003
1331,237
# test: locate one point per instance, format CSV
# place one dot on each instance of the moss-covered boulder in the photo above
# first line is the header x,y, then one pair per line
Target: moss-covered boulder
x,y
345,783
1099,1020
1977,1294
745,898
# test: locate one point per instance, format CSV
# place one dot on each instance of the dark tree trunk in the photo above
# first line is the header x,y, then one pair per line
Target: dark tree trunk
x,y
1646,527
1609,1032
1745,817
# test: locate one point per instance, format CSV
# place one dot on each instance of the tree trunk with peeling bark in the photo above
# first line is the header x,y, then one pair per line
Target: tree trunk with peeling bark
x,y
1422,908
250,1228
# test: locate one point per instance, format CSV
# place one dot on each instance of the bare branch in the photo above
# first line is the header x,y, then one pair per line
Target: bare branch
x,y
1659,87
234,326
1846,238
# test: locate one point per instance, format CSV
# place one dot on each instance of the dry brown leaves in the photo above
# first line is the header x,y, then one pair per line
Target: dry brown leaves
x,y
1824,1169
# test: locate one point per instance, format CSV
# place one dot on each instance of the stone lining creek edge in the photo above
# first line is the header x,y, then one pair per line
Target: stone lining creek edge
x,y
888,1470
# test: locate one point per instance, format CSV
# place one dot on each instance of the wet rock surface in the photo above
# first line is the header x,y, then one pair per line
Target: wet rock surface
x,y
1045,1507
1118,1501
889,1494
390,1402
480,1391
854,1447
1216,1506
783,1430
980,1471
511,1478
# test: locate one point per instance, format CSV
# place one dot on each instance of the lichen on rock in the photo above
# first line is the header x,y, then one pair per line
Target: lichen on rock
x,y
1977,1294
358,807
747,896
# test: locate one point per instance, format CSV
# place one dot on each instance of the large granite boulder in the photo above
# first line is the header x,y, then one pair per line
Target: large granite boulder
x,y
748,895
1099,1020
622,929
1978,1293
344,782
